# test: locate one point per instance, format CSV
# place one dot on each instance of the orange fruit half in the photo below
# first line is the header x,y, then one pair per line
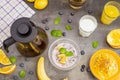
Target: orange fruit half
x,y
8,69
113,38
117,47
3,58
105,64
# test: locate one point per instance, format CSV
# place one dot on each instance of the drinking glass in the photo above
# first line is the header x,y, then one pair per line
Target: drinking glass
x,y
76,4
110,12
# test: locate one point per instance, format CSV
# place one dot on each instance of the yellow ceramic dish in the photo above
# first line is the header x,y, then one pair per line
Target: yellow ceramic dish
x,y
105,64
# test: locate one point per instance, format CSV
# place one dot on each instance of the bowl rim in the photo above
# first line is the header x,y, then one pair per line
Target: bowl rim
x,y
64,69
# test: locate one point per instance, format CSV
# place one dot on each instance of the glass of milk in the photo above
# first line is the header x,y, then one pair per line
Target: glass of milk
x,y
87,25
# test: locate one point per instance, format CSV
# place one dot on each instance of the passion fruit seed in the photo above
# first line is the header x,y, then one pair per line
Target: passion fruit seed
x,y
22,74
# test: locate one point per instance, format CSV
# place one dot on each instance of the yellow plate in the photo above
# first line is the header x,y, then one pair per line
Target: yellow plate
x,y
105,64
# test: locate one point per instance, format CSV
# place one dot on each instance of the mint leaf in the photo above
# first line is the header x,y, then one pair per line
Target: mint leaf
x,y
62,50
57,20
56,33
95,44
22,74
13,59
68,27
69,53
53,32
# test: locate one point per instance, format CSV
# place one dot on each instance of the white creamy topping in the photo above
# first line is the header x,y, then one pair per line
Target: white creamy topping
x,y
87,25
70,61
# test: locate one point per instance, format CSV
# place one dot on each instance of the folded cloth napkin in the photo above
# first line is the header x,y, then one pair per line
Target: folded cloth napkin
x,y
10,10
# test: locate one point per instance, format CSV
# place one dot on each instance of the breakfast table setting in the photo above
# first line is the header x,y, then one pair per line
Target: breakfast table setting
x,y
59,41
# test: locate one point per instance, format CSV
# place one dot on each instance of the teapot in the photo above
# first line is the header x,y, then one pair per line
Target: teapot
x,y
30,40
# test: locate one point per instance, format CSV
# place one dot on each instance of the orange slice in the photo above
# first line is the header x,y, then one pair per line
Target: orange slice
x,y
115,47
113,38
8,69
105,64
3,58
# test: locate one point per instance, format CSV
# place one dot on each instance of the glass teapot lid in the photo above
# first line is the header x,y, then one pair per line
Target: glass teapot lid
x,y
22,30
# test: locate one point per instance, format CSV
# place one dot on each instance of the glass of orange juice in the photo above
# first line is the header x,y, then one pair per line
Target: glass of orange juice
x,y
111,12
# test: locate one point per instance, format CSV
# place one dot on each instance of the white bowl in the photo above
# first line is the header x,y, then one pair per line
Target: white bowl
x,y
75,57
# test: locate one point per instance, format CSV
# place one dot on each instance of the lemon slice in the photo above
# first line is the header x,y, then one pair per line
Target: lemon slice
x,y
104,64
3,58
113,38
8,69
34,48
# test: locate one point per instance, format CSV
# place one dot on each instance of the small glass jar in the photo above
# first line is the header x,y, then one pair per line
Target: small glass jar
x,y
76,4
87,25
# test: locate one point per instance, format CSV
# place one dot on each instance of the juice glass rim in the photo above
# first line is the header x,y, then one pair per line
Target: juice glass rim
x,y
113,3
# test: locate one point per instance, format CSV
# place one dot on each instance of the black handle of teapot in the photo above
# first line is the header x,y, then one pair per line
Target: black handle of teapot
x,y
8,42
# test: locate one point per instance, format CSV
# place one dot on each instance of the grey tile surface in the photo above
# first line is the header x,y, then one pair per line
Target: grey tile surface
x,y
51,12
